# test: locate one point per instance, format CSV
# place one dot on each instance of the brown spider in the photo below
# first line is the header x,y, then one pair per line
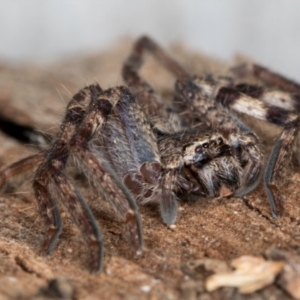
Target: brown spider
x,y
158,156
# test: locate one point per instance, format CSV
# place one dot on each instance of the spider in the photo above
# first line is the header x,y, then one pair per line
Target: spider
x,y
139,149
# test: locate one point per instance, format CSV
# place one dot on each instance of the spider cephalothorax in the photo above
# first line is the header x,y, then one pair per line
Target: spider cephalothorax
x,y
136,148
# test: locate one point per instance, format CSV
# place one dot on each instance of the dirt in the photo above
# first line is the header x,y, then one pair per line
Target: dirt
x,y
221,229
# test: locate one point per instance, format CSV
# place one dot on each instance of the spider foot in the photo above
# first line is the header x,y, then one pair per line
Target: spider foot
x,y
274,200
134,231
168,210
96,250
50,241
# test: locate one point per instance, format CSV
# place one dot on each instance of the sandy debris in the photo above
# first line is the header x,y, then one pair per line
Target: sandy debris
x,y
289,278
251,274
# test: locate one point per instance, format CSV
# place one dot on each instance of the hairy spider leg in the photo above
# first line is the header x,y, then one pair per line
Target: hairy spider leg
x,y
20,167
134,62
280,98
93,122
50,171
152,103
267,76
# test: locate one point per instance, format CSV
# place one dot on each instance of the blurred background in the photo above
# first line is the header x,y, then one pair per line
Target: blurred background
x,y
266,30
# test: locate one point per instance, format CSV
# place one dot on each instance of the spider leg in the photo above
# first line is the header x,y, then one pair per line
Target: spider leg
x,y
289,121
49,211
136,59
82,216
51,171
168,203
103,175
171,182
248,142
148,98
28,164
19,167
267,76
77,207
279,98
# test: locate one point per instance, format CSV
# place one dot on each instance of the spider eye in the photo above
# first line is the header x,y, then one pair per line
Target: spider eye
x,y
205,145
220,141
198,149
